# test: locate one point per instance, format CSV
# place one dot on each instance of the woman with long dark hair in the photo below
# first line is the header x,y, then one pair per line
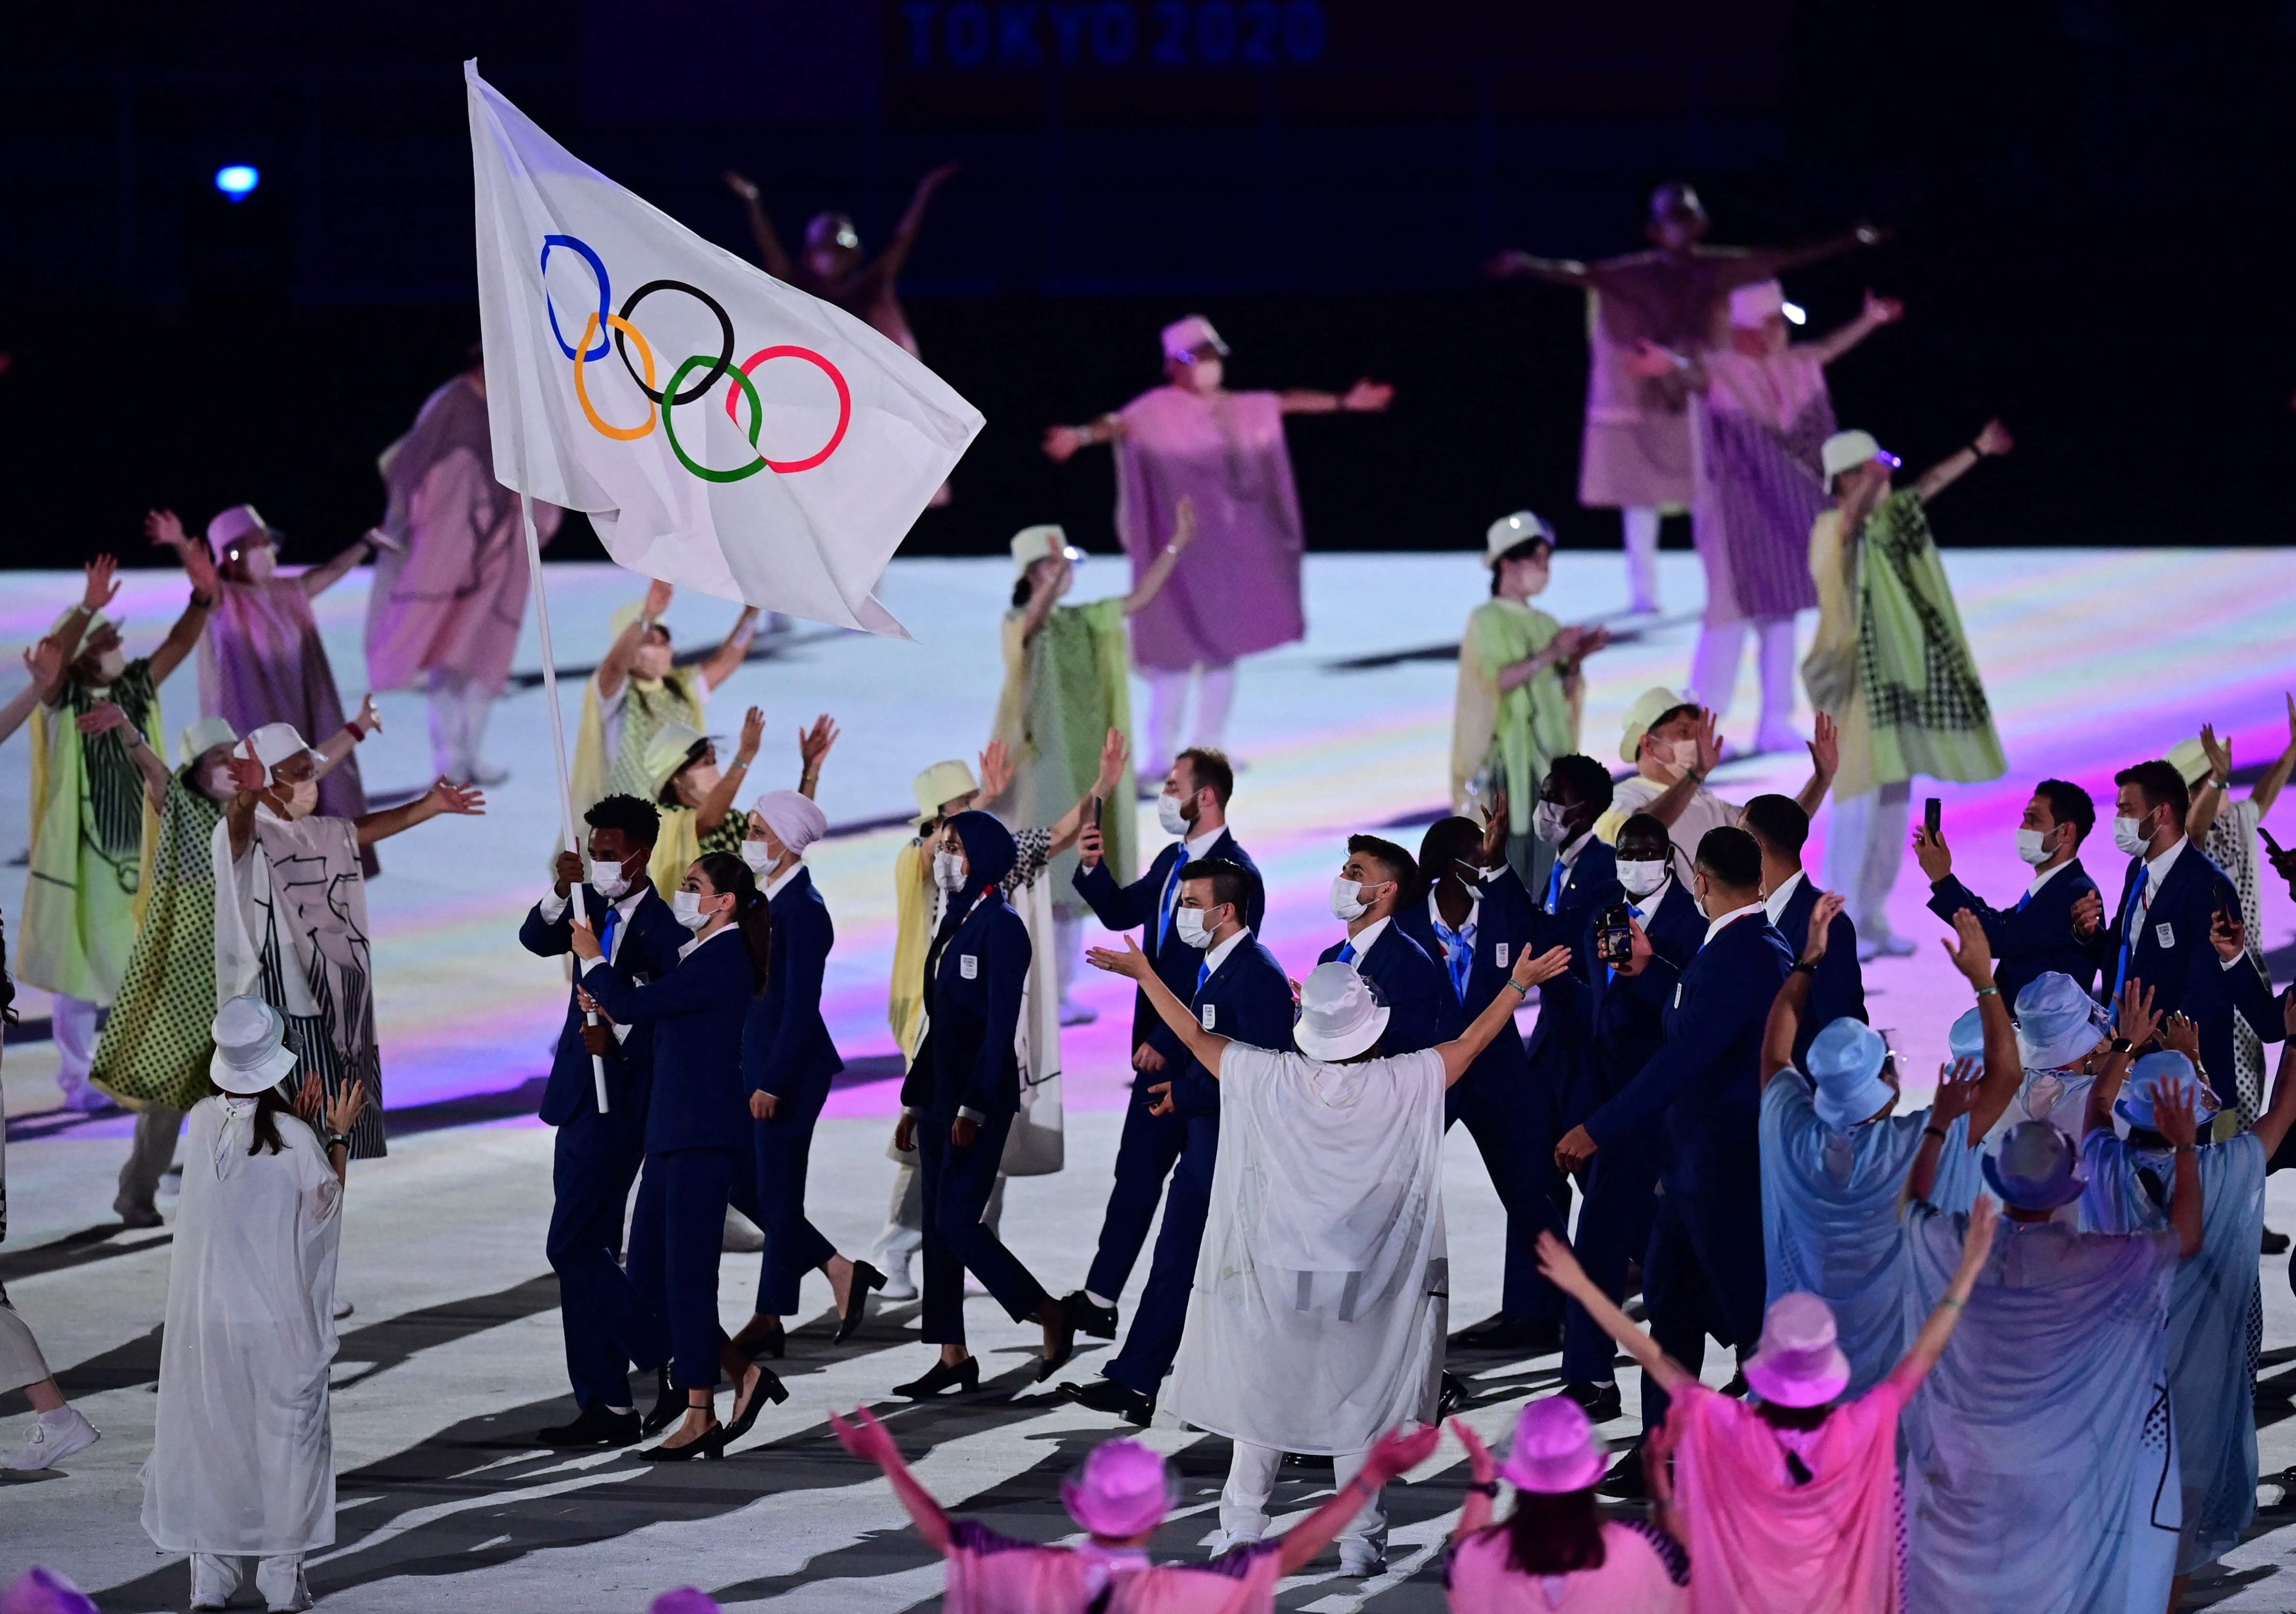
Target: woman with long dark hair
x,y
696,1120
959,1097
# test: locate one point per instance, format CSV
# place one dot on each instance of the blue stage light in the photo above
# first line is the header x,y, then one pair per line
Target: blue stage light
x,y
237,180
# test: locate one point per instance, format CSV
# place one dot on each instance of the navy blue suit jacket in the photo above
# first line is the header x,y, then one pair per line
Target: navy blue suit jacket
x,y
1627,1013
785,1043
1413,985
697,1012
1138,905
1249,1001
646,951
1705,1085
972,996
1503,929
1591,884
2032,938
2172,953
1838,987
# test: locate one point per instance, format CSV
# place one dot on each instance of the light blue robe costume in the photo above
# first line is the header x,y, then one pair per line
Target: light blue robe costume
x,y
2216,1321
1959,1178
1830,1222
2041,1473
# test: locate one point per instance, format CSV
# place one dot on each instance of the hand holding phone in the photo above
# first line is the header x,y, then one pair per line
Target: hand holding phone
x,y
1932,811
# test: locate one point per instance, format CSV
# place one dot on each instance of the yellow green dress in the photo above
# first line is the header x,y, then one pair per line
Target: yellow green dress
x,y
1508,739
155,1047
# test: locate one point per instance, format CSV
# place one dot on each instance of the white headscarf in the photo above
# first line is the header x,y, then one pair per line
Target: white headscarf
x,y
796,821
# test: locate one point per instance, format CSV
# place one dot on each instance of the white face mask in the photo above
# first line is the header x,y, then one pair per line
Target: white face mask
x,y
687,907
1169,816
2128,835
1347,905
948,870
303,798
1699,897
1641,878
760,860
2032,846
1686,754
695,784
258,561
1188,925
609,880
1547,823
110,664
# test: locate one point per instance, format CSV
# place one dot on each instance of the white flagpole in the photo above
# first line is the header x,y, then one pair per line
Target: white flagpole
x,y
557,741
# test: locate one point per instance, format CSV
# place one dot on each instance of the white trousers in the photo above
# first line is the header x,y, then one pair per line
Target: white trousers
x,y
1641,523
459,706
1168,694
278,1581
75,1024
1251,1480
1068,951
904,1218
1714,676
1863,849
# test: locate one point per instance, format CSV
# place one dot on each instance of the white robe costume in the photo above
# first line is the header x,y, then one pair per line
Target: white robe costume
x,y
242,1458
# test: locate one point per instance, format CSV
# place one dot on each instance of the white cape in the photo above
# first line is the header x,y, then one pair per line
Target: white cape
x,y
243,1459
1321,1293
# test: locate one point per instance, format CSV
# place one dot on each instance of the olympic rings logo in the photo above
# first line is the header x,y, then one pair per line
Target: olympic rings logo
x,y
602,328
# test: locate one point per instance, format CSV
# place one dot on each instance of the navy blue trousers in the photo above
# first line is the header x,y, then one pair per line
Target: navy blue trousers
x,y
610,1328
1512,1122
1703,1274
769,1189
1153,1339
957,1184
1614,1226
1145,1153
676,1233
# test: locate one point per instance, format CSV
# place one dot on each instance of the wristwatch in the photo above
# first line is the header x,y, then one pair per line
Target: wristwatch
x,y
1804,966
2121,1044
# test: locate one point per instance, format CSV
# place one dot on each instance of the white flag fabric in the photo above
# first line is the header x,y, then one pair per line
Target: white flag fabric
x,y
724,431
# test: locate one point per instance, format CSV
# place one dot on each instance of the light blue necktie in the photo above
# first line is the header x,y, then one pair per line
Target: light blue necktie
x,y
1170,900
2128,933
1458,952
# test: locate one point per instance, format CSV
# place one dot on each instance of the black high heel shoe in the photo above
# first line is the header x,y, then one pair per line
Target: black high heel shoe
x,y
1064,1338
775,1344
965,1376
770,1387
865,1278
711,1442
668,1405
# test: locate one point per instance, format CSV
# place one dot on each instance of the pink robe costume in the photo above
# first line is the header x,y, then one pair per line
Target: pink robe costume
x,y
993,1574
1759,487
1645,1571
1759,1542
452,594
1236,588
261,661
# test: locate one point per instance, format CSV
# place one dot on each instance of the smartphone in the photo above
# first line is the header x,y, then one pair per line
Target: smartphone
x,y
2273,845
1932,810
1614,936
1095,812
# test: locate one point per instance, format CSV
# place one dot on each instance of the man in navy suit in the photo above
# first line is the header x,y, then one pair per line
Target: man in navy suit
x,y
1193,807
1378,879
1780,828
1703,1272
608,1327
1238,991
1625,1016
2037,936
1474,924
2169,900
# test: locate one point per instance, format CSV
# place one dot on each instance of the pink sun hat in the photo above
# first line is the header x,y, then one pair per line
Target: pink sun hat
x,y
1123,1489
1554,1450
1800,1361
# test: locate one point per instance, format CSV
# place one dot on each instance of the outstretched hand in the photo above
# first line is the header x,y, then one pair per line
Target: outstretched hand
x,y
1559,1266
1710,742
199,566
445,796
1993,439
813,743
100,718
2173,1115
1115,751
2181,1035
1481,1466
1531,970
2133,1018
1367,396
1821,927
44,661
1956,1091
865,1437
754,735
1398,1452
248,776
2088,914
1825,747
1974,957
343,1108
996,772
103,584
1132,962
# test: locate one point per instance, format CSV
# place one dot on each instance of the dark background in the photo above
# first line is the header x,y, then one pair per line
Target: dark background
x,y
2090,204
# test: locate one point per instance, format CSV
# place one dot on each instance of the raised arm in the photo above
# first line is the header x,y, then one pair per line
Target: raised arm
x,y
1175,1014
1560,1269
1824,762
1780,260
726,660
1783,1027
1991,443
905,233
199,566
1516,264
1929,1345
2273,1124
2134,1022
105,717
1367,397
1114,753
2173,1118
1530,969
1160,570
761,229
624,649
443,797
1394,1453
812,750
866,1438
1042,603
711,810
1061,442
1878,312
2005,1065
97,591
43,663
328,573
1956,1091
1483,1474
1669,803
2267,788
345,739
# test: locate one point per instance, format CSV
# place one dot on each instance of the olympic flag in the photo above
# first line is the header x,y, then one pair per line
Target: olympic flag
x,y
725,432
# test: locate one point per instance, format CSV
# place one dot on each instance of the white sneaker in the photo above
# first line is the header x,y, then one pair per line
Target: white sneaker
x,y
1077,1015
1361,1560
53,1438
898,1284
1222,1542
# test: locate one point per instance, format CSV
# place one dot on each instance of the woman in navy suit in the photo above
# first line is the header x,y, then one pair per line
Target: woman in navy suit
x,y
697,1122
959,1099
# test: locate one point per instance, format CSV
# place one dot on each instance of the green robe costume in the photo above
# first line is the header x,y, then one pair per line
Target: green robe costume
x,y
155,1047
1064,691
1509,739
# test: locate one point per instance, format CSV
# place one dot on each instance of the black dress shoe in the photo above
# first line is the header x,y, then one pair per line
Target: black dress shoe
x,y
1600,1400
865,1278
1453,1396
2275,1243
772,1342
1625,1479
1503,1333
1088,1318
770,1387
710,1443
593,1426
668,1405
1107,1395
965,1376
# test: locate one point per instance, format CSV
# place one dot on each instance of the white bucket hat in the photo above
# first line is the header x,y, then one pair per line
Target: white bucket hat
x,y
1339,1016
1649,707
942,781
249,1053
1034,543
1507,532
1184,336
1848,450
204,736
237,525
278,742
